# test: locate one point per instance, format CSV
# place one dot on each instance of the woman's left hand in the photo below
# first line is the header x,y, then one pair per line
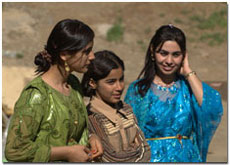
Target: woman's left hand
x,y
185,69
96,146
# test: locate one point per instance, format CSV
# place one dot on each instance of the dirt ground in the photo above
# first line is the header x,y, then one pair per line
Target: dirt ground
x,y
26,26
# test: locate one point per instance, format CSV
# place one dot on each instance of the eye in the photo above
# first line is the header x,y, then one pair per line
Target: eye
x,y
177,54
111,81
163,53
87,51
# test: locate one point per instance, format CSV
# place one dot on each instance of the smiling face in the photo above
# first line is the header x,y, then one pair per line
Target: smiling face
x,y
80,61
169,58
110,88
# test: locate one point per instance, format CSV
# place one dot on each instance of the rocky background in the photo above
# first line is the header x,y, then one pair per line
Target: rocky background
x,y
125,28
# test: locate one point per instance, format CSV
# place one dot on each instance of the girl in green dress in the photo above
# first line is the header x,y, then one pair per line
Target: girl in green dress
x,y
50,118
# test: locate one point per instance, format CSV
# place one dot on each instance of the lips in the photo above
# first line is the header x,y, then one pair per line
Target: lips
x,y
166,68
118,96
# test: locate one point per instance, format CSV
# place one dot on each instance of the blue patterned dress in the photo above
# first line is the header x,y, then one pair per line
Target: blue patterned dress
x,y
165,112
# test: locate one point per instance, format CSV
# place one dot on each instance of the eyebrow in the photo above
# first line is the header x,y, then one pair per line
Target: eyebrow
x,y
87,50
168,51
112,79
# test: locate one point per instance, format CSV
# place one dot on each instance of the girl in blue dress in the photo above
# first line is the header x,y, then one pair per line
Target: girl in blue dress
x,y
177,112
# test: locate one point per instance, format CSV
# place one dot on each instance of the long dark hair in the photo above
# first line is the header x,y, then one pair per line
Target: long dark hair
x,y
100,68
68,36
163,34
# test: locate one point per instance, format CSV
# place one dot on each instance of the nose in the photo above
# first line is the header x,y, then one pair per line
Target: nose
x,y
119,86
169,60
91,55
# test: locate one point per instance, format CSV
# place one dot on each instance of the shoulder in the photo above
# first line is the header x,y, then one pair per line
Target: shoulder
x,y
34,93
132,88
37,84
126,107
132,91
133,84
184,84
36,89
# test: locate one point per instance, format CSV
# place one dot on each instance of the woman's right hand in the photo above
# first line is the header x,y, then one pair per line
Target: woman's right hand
x,y
75,153
78,153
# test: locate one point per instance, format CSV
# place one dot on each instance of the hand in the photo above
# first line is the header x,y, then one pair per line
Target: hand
x,y
96,146
185,69
78,153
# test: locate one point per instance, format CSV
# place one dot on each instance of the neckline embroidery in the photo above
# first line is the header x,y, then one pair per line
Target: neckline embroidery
x,y
172,89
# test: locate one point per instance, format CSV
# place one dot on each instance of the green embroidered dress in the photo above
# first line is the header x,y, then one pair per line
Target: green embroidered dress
x,y
43,117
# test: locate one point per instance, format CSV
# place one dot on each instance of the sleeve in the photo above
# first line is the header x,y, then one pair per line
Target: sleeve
x,y
21,145
84,137
207,117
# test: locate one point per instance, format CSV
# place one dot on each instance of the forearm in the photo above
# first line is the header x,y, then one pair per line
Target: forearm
x,y
59,153
196,86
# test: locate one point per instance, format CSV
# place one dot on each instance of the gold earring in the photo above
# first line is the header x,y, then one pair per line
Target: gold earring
x,y
67,69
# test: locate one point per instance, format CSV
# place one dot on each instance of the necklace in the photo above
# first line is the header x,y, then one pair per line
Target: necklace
x,y
164,85
172,87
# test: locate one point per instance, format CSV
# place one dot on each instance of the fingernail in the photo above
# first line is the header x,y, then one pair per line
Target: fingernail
x,y
93,151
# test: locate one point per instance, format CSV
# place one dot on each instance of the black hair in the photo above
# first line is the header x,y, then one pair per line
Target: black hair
x,y
68,36
100,68
163,34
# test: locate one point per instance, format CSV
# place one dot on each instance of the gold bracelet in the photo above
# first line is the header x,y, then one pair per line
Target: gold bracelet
x,y
190,74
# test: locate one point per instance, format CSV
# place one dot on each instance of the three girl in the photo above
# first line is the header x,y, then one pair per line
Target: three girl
x,y
177,113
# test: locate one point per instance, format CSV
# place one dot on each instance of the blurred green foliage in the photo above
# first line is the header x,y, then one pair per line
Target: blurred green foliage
x,y
216,20
19,55
115,33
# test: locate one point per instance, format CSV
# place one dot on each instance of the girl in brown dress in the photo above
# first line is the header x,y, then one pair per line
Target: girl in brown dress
x,y
109,117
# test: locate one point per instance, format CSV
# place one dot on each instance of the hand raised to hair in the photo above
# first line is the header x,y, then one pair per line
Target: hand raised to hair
x,y
185,69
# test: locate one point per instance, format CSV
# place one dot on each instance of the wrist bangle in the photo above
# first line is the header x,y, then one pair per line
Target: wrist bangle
x,y
190,74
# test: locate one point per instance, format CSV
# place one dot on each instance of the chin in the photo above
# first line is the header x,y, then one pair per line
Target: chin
x,y
116,101
168,72
113,101
84,70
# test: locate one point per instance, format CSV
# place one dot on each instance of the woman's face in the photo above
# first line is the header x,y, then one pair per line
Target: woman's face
x,y
169,58
110,88
81,60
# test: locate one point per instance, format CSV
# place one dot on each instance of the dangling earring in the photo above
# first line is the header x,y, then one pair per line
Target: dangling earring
x,y
67,69
152,57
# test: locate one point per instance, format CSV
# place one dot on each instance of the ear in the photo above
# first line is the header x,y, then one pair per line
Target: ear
x,y
64,56
92,84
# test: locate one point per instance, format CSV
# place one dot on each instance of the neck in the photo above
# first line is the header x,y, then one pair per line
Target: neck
x,y
112,105
164,80
55,76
